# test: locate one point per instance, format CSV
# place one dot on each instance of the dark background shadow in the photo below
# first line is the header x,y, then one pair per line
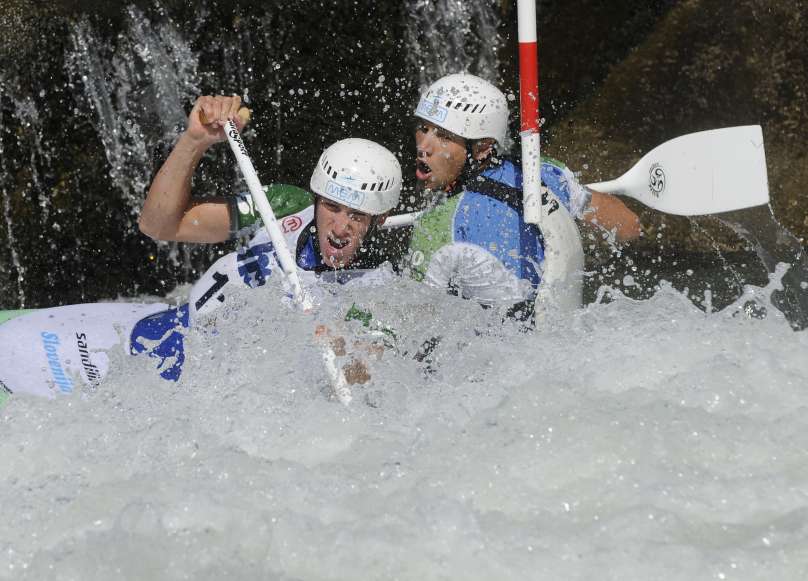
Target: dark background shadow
x,y
87,109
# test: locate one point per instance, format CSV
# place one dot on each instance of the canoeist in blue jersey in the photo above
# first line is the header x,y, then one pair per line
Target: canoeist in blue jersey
x,y
473,240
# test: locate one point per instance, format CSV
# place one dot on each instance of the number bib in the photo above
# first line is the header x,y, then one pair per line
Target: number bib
x,y
248,267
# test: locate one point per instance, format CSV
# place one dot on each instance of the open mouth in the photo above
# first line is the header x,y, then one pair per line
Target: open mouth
x,y
422,170
337,243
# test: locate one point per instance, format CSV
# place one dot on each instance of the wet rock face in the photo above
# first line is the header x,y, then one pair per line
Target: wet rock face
x,y
706,64
92,100
92,93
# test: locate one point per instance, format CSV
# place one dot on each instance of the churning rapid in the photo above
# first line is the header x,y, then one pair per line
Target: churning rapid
x,y
630,440
633,440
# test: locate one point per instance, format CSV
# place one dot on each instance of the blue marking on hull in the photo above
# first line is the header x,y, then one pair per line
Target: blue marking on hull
x,y
155,327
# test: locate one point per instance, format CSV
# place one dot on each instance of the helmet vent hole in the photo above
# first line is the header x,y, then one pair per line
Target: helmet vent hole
x,y
334,175
481,110
364,186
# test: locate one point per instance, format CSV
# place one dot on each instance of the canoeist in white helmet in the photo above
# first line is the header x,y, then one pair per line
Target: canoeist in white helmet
x,y
355,184
474,240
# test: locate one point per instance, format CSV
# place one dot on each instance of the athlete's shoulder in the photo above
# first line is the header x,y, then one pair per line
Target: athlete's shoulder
x,y
286,200
504,172
503,182
563,182
500,184
551,162
508,171
553,171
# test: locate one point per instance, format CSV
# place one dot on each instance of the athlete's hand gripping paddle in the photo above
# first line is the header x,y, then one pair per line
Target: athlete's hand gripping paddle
x,y
335,375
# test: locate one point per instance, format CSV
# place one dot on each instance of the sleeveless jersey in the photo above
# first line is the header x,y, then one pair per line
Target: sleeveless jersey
x,y
477,243
54,351
162,334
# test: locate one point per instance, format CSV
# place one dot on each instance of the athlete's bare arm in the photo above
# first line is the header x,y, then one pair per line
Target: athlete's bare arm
x,y
611,213
169,212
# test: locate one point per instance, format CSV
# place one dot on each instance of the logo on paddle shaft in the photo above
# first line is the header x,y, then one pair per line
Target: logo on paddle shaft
x,y
657,180
237,138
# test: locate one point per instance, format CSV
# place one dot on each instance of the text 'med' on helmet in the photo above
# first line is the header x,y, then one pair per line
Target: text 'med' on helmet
x,y
360,174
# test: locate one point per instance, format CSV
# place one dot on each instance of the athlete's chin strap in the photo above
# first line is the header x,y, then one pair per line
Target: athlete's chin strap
x,y
373,229
473,166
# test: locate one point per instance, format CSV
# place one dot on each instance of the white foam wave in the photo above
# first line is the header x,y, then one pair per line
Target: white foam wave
x,y
637,440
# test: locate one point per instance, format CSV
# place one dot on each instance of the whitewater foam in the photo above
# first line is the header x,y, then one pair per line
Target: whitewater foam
x,y
637,440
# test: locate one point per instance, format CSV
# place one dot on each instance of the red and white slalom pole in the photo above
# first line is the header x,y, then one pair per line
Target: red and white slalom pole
x,y
529,113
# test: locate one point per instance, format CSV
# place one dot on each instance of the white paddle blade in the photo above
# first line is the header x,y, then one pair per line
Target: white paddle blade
x,y
708,172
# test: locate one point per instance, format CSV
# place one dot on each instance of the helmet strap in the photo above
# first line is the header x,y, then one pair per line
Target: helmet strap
x,y
372,229
475,166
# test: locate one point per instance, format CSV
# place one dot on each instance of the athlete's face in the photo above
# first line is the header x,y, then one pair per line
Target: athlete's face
x,y
441,156
340,232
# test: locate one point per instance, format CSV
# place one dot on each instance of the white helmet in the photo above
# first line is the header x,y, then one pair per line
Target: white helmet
x,y
467,106
360,174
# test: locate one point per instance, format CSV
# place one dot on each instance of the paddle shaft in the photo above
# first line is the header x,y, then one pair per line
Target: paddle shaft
x,y
265,210
335,374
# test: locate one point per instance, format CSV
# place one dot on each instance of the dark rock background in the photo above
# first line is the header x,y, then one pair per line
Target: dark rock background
x,y
617,79
706,64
